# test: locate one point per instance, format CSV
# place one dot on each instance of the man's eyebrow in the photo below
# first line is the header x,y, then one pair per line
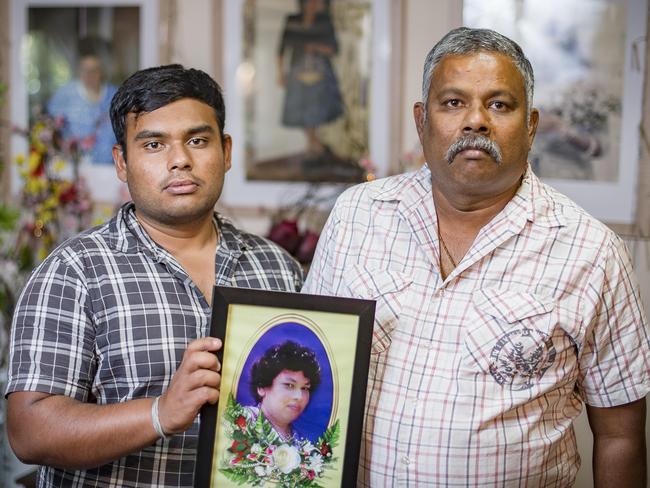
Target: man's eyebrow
x,y
200,130
148,134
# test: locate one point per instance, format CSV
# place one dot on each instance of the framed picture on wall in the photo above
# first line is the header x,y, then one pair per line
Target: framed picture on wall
x,y
73,56
293,381
307,86
588,59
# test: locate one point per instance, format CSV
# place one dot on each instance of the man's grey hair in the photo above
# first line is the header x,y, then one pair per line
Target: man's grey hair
x,y
464,40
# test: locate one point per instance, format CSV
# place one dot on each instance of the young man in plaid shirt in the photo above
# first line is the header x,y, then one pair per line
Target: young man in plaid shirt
x,y
110,359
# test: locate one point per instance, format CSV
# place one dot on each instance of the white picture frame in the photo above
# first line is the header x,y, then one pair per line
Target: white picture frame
x,y
102,182
241,192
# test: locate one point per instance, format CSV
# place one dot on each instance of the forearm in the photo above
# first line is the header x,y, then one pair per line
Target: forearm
x,y
619,462
63,432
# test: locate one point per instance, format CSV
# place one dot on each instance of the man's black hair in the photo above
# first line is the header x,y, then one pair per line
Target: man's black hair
x,y
152,88
290,356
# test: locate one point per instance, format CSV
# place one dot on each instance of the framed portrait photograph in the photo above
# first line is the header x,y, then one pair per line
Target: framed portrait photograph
x,y
293,382
588,57
73,55
307,85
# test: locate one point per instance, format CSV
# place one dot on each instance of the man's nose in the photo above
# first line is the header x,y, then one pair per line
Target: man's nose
x,y
477,120
179,157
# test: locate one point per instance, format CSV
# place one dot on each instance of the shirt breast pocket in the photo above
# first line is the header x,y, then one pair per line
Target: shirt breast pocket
x,y
387,288
517,340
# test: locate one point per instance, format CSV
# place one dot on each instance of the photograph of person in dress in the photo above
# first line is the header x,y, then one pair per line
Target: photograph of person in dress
x,y
314,113
310,39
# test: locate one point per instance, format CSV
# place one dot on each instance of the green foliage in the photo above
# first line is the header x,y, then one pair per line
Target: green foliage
x,y
259,455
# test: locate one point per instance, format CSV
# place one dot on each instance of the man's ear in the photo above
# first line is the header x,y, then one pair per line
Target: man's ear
x,y
420,116
261,392
532,126
227,151
120,162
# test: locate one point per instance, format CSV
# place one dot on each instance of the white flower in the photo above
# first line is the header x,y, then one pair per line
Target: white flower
x,y
286,458
260,471
316,463
256,448
308,447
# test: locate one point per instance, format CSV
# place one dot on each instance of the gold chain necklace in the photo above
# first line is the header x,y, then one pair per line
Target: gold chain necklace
x,y
444,248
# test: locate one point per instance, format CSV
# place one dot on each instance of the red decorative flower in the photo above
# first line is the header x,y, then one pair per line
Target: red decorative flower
x,y
325,449
285,233
69,195
307,247
241,422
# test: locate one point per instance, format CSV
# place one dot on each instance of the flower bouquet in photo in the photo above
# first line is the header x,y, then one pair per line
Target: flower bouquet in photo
x,y
259,456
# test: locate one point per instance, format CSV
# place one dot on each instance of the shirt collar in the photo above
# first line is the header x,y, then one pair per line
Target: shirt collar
x,y
128,236
533,200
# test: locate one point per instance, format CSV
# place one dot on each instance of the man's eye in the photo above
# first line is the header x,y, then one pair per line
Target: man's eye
x,y
153,145
454,103
498,105
196,141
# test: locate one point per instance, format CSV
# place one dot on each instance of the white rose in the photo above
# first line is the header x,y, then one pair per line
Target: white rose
x,y
260,471
286,458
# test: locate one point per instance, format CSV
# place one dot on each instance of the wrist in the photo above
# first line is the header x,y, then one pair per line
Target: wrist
x,y
155,419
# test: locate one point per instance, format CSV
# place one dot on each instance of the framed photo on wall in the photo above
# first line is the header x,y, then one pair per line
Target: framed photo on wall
x,y
588,57
307,86
293,381
73,55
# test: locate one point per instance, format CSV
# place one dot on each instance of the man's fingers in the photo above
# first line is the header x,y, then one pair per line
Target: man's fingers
x,y
205,344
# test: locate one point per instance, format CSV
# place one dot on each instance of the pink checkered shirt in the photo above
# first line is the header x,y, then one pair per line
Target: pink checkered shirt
x,y
476,380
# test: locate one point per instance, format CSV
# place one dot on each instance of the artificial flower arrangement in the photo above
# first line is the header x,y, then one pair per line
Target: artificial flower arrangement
x,y
285,229
55,200
259,456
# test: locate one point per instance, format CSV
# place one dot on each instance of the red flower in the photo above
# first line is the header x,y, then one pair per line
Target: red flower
x,y
307,247
325,449
285,233
240,422
69,195
311,474
239,448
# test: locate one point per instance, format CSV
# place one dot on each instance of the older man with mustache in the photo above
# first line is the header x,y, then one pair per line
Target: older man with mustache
x,y
502,306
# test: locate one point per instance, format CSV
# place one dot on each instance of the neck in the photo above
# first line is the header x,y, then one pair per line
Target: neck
x,y
281,428
469,215
181,238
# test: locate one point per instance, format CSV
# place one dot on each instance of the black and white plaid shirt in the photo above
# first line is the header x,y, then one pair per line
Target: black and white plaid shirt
x,y
106,319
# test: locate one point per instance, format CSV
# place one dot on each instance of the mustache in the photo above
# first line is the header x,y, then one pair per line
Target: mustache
x,y
474,141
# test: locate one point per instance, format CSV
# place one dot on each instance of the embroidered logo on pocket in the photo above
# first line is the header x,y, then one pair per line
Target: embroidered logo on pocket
x,y
521,357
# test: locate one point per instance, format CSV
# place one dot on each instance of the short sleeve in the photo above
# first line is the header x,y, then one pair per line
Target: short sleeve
x,y
52,337
615,360
320,277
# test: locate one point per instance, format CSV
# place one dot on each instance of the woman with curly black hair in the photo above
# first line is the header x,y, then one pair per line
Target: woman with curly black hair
x,y
282,381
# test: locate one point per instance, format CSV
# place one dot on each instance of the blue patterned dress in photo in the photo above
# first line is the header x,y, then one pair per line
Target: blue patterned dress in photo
x,y
313,96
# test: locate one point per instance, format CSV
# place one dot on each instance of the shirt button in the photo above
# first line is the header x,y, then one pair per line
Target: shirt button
x,y
406,460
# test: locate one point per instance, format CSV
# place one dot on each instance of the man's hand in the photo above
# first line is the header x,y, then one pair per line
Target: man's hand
x,y
195,383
